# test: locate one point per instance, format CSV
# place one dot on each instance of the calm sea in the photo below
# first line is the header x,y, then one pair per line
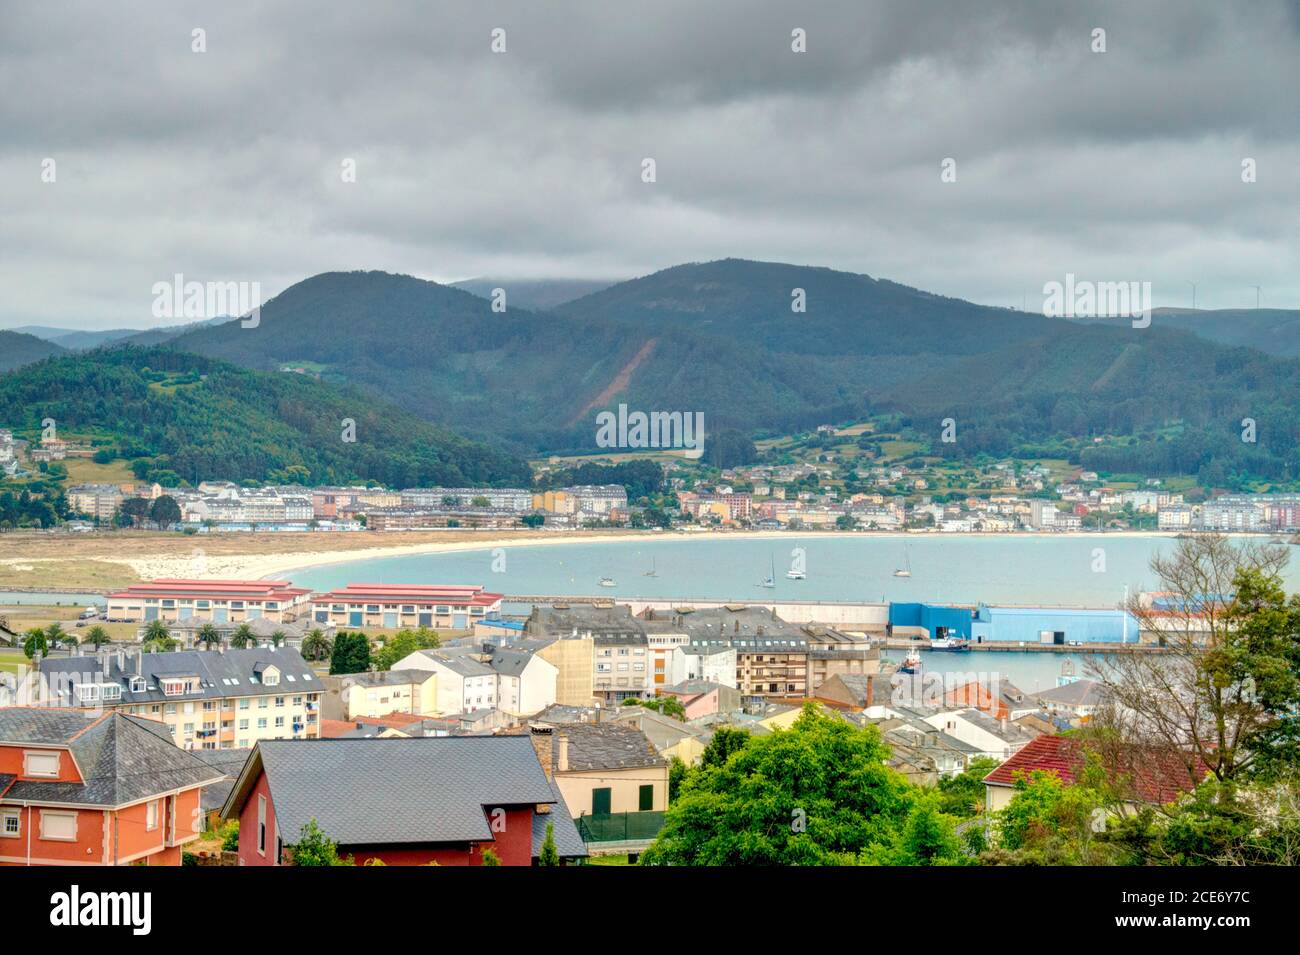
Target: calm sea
x,y
1074,570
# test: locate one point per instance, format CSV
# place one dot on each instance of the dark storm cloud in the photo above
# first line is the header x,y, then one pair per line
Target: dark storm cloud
x,y
225,165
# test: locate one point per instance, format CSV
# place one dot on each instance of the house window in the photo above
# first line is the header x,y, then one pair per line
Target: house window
x,y
11,823
41,765
261,825
646,800
58,826
151,816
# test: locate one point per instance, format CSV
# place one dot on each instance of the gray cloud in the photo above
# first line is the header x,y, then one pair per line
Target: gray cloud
x,y
225,165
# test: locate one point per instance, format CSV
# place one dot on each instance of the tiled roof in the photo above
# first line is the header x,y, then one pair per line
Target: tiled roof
x,y
1152,777
122,759
398,790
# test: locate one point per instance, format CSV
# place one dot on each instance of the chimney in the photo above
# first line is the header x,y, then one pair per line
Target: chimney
x,y
541,735
562,759
139,663
121,660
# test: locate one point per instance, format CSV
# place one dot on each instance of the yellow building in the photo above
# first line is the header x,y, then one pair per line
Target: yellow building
x,y
574,658
395,691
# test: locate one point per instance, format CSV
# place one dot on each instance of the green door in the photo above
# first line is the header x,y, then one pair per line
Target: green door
x,y
600,801
647,798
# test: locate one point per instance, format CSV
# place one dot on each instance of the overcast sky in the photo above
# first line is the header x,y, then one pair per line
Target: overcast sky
x,y
225,165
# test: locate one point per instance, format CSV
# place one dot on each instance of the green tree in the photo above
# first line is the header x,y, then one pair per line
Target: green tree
x,y
725,742
97,636
315,645
490,858
314,848
155,631
277,638
402,644
243,637
548,855
165,512
207,635
351,653
928,836
35,643
677,773
818,793
55,635
962,796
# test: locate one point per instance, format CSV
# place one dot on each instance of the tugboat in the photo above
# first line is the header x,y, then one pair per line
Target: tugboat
x,y
912,663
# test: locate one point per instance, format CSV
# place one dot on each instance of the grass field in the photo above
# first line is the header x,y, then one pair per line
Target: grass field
x,y
71,574
86,471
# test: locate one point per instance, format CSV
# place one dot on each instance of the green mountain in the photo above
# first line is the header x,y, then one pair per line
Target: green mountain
x,y
722,338
204,419
18,349
533,293
1275,331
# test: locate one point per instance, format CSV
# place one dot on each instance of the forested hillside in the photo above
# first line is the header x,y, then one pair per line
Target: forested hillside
x,y
181,415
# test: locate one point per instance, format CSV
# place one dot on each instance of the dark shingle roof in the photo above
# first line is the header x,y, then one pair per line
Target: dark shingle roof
x,y
399,790
221,674
122,759
606,746
568,841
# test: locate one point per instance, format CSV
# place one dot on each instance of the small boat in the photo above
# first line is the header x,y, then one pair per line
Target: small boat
x,y
912,663
796,575
770,580
906,569
607,582
950,644
651,572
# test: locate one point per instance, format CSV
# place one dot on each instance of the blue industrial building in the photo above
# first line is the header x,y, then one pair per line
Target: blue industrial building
x,y
939,621
1033,625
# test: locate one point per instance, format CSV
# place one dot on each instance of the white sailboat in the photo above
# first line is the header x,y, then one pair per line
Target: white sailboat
x,y
651,572
906,569
770,580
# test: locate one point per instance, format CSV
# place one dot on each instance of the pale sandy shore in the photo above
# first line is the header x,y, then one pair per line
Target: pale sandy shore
x,y
248,566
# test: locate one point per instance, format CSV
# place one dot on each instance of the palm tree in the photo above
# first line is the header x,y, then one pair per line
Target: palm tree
x,y
161,645
97,636
155,631
316,645
277,638
54,635
207,635
243,637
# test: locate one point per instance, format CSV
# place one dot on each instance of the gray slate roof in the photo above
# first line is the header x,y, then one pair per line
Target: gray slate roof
x,y
568,841
221,674
122,759
1079,693
399,790
606,746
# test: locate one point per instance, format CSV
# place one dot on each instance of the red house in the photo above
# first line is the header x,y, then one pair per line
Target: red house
x,y
77,789
403,800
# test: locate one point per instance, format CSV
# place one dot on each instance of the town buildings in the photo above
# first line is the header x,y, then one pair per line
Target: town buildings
x,y
404,605
105,790
217,601
204,699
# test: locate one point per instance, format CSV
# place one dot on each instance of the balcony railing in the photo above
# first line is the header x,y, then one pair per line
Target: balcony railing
x,y
621,826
